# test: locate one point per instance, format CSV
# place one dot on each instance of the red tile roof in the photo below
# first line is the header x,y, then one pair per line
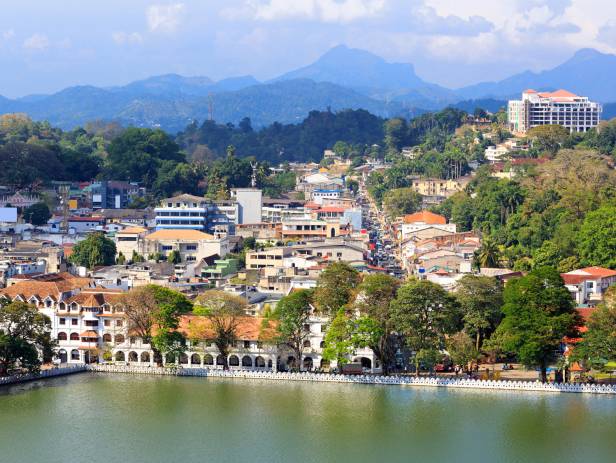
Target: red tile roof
x,y
599,271
425,217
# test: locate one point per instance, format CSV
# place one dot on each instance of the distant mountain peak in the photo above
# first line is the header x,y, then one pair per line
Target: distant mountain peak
x,y
587,53
358,69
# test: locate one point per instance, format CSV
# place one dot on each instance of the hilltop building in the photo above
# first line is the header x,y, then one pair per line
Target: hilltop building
x,y
576,113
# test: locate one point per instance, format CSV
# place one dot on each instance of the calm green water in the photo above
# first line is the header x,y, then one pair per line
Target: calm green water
x,y
109,418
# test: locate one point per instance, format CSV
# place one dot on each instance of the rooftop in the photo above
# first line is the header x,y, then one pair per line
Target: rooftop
x,y
425,217
179,234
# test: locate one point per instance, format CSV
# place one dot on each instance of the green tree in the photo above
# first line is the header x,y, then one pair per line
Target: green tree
x,y
95,250
225,312
137,154
480,299
374,328
37,214
292,313
548,138
153,313
488,255
402,201
338,340
538,313
597,237
598,345
121,260
462,349
335,287
423,312
174,257
24,332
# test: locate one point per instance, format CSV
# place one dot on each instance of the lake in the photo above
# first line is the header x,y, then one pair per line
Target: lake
x,y
119,418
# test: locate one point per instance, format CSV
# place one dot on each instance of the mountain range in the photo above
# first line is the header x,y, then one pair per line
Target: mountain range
x,y
342,78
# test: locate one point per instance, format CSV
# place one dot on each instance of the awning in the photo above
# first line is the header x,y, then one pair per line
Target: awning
x,y
89,334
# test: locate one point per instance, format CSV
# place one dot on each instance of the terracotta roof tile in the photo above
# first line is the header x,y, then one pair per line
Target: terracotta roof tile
x,y
425,217
179,234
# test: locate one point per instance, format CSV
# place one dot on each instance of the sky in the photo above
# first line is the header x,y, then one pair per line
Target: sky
x,y
49,45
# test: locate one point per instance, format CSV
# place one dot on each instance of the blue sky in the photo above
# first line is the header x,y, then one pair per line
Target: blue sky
x,y
49,45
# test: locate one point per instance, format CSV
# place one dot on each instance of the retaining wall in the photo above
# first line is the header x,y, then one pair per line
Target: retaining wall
x,y
5,380
385,380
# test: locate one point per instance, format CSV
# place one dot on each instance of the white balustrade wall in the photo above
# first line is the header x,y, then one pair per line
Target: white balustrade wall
x,y
364,379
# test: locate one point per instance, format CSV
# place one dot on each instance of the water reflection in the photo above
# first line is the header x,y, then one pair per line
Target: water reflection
x,y
168,419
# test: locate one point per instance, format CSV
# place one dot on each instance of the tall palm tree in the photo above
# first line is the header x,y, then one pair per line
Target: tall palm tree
x,y
488,255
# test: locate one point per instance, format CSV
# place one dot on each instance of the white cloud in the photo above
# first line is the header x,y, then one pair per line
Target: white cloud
x,y
165,18
8,34
329,11
36,42
122,38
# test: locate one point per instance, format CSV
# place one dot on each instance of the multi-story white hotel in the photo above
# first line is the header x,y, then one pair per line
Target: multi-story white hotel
x,y
576,113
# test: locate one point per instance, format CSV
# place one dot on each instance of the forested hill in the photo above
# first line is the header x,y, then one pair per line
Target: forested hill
x,y
277,142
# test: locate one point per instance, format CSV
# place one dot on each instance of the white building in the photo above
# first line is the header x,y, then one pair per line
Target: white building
x,y
576,113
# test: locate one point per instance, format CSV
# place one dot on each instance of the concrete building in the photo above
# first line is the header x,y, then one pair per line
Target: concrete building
x,y
192,245
250,202
424,224
268,258
576,113
183,211
110,194
588,285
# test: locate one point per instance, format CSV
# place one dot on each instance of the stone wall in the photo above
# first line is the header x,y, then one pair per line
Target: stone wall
x,y
42,375
382,380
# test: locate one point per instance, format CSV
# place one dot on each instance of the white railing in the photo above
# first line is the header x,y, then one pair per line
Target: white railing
x,y
364,379
42,374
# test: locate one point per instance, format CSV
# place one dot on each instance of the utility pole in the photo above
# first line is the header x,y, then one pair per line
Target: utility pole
x,y
64,191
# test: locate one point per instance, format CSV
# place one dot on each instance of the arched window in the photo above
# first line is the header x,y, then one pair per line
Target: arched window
x,y
132,356
170,358
62,337
145,357
62,355
106,337
269,363
307,343
322,344
308,363
234,361
324,364
195,359
220,360
183,359
120,356
208,360
246,361
74,354
119,338
74,336
259,362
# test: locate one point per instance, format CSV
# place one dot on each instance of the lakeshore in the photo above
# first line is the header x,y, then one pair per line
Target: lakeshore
x,y
397,380
133,418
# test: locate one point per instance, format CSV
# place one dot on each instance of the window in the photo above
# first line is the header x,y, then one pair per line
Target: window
x,y
62,336
74,354
191,247
246,344
119,323
74,336
107,322
62,321
74,321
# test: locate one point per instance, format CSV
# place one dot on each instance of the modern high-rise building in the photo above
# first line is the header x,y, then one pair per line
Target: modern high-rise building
x,y
576,113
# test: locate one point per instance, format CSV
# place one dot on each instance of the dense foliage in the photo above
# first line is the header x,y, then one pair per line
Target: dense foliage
x,y
277,143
